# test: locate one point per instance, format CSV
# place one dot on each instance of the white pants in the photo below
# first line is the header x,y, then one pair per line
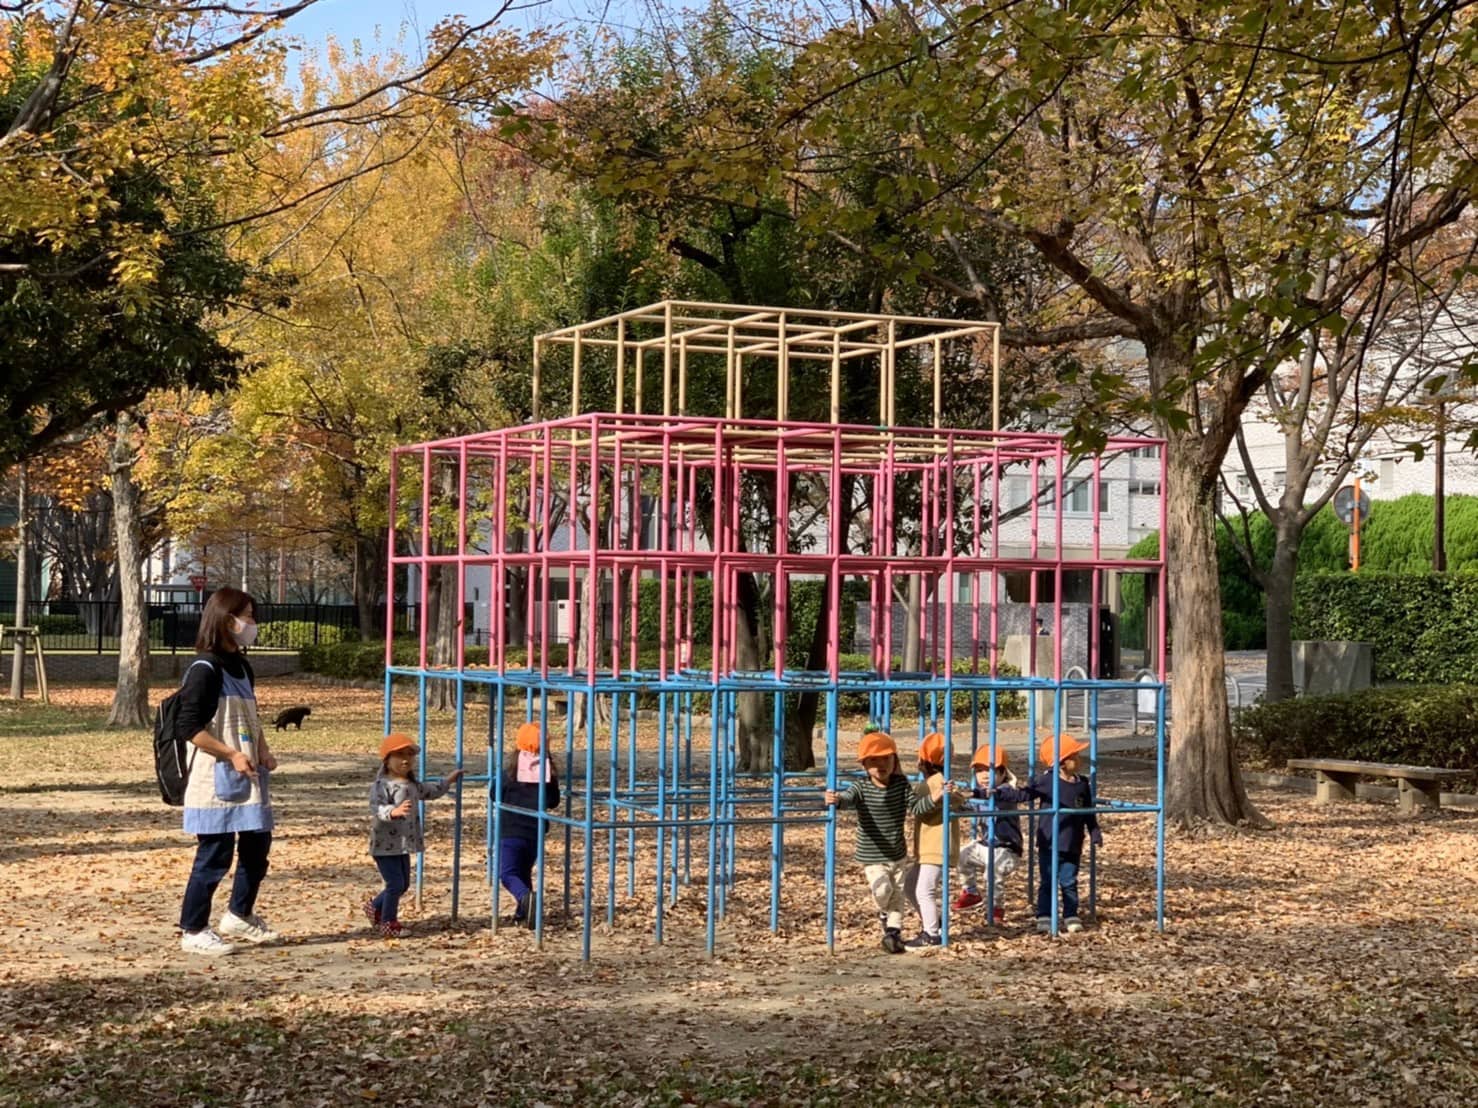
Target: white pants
x,y
977,857
921,887
886,881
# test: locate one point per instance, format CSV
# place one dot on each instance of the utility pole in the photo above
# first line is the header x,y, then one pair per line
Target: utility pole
x,y
22,572
1439,502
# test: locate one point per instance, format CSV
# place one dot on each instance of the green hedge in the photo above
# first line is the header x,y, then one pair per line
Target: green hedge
x,y
292,633
1429,725
1396,539
61,625
1423,627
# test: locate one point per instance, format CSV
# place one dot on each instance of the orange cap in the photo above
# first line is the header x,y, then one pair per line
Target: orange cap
x,y
982,757
528,737
1067,746
876,744
931,750
391,743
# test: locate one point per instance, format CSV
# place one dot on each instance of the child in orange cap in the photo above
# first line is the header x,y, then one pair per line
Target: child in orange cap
x,y
997,843
524,786
921,882
395,833
1059,855
882,800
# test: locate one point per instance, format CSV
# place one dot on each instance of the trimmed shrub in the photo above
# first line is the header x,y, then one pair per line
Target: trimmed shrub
x,y
61,625
1423,627
1429,725
294,633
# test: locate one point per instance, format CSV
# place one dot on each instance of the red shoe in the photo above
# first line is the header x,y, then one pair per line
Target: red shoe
x,y
392,929
967,900
371,913
998,916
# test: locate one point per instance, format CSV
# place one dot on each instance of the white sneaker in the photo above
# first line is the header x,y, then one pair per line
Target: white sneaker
x,y
1074,925
252,929
205,942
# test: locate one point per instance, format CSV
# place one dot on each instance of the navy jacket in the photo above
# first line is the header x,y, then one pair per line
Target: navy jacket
x,y
1007,828
525,794
1071,826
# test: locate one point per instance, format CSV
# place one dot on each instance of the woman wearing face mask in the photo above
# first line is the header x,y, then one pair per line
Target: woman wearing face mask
x,y
227,805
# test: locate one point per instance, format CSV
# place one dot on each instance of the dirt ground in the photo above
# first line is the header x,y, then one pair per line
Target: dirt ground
x,y
1330,960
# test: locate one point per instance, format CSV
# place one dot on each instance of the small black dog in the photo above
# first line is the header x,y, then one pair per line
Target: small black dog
x,y
293,716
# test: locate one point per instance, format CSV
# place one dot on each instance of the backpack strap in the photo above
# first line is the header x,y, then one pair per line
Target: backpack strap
x,y
190,763
192,665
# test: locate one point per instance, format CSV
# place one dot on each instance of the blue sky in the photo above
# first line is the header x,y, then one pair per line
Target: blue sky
x,y
350,19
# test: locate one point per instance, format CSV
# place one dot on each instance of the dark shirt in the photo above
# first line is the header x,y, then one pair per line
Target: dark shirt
x,y
1007,829
200,695
1071,826
525,794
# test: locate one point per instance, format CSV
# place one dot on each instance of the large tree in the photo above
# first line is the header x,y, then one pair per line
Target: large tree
x,y
188,94
633,111
1185,167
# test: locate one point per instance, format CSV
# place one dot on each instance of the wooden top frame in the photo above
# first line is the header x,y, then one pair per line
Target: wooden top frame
x,y
674,330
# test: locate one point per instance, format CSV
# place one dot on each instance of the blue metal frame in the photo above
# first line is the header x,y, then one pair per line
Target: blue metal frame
x,y
671,802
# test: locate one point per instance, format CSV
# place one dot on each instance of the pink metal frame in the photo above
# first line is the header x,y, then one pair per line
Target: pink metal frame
x,y
598,466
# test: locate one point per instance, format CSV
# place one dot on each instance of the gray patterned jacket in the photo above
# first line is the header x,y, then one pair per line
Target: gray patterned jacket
x,y
402,835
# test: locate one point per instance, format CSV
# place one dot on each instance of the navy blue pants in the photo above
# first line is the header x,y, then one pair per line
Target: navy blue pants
x,y
516,859
1060,872
212,863
395,870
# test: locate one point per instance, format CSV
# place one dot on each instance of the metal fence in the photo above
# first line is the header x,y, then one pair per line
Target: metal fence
x,y
92,626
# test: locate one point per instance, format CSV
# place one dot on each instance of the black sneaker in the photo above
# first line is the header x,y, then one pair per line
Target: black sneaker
x,y
893,941
921,940
523,915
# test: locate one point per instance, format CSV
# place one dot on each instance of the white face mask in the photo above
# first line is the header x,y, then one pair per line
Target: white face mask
x,y
244,631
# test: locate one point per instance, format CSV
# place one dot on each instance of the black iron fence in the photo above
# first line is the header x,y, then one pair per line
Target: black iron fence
x,y
93,625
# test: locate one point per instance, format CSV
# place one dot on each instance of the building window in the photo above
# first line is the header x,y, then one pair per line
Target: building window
x,y
1077,496
1280,478
1145,452
1387,474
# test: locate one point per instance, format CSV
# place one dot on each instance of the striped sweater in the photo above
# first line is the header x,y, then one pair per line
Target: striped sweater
x,y
881,813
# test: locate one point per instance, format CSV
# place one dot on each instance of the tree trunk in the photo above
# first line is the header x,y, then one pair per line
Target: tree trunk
x,y
587,610
367,586
1278,606
756,733
131,697
22,574
1205,783
913,625
448,615
800,751
516,581
448,627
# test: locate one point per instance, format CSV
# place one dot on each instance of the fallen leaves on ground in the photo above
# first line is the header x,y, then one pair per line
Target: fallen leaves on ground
x,y
1328,961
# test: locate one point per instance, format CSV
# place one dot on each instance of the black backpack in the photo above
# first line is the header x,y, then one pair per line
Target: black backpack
x,y
171,759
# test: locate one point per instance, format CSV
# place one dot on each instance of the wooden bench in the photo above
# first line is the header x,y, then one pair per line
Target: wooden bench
x,y
1417,787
